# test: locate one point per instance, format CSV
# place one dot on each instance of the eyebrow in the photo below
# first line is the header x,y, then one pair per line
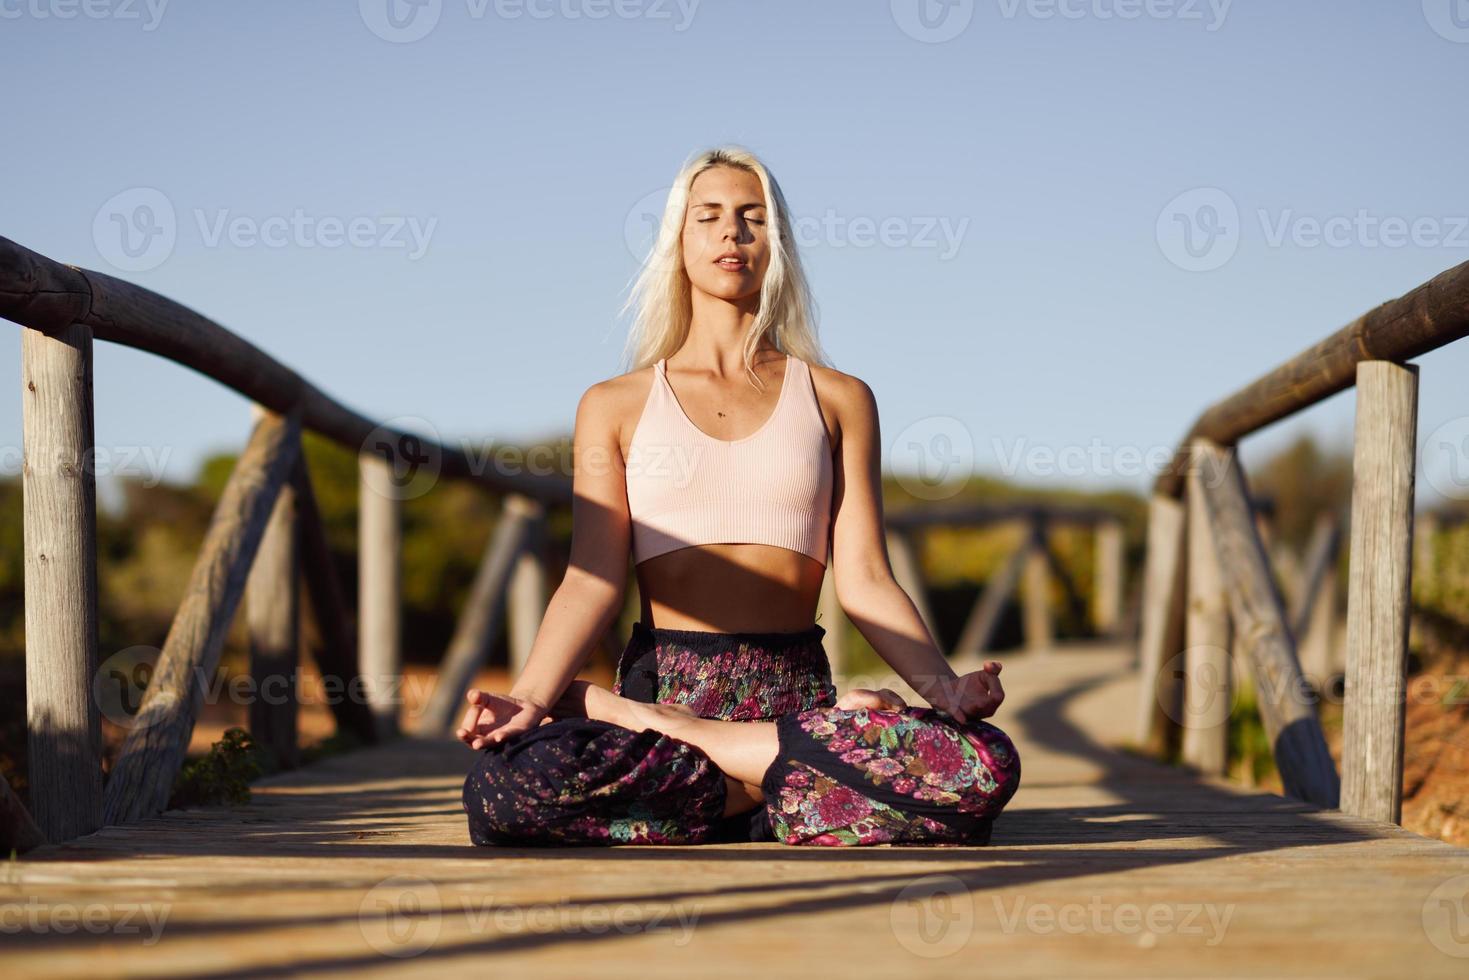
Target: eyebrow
x,y
715,204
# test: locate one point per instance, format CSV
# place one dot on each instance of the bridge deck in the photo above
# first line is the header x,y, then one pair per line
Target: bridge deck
x,y
1105,865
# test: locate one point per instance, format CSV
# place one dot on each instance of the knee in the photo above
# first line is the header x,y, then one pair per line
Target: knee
x,y
998,755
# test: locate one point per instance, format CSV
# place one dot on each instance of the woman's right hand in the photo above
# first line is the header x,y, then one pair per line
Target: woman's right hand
x,y
492,718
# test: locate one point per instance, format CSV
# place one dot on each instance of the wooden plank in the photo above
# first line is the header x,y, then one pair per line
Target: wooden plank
x,y
1208,685
59,499
1035,594
380,590
480,619
1289,714
1379,590
1104,865
1160,697
272,623
149,761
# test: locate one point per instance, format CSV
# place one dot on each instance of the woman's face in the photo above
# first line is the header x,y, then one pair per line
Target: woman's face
x,y
726,214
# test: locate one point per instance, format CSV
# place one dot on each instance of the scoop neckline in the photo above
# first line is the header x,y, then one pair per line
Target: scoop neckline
x,y
785,383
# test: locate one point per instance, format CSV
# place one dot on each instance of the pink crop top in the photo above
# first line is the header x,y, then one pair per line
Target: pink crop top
x,y
686,488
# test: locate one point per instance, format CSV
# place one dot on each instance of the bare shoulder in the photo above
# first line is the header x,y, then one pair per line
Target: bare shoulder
x,y
845,399
614,405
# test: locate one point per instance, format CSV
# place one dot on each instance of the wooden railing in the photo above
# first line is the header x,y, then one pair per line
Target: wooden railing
x,y
265,536
1207,584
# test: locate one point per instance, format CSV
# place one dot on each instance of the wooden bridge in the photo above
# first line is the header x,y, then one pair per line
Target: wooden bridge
x,y
1106,863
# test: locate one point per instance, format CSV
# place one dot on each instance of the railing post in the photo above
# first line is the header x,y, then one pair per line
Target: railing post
x,y
380,591
1107,598
529,592
272,617
59,497
1379,589
1164,574
1036,601
1208,681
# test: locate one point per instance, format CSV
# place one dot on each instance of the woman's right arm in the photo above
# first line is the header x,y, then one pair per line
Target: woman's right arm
x,y
591,595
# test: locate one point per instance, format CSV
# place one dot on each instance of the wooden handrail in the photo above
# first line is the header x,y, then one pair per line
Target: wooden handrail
x,y
43,294
1424,319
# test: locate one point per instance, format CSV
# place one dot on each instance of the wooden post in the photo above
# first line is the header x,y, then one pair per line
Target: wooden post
x,y
1313,613
1036,604
529,592
1162,626
909,575
142,778
59,498
380,591
984,619
479,621
1306,768
1379,590
272,617
834,621
336,653
1207,673
1107,597
1425,557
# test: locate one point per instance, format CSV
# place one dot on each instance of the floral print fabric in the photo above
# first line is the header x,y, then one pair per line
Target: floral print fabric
x,y
841,777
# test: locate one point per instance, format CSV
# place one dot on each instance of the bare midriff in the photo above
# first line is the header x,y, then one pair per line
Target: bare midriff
x,y
730,588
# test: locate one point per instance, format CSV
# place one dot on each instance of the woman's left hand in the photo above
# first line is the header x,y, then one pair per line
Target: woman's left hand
x,y
972,696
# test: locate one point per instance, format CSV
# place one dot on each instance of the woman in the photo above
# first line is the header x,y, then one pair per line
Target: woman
x,y
723,723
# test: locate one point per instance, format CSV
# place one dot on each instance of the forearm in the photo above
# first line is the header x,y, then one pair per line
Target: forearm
x,y
887,617
580,611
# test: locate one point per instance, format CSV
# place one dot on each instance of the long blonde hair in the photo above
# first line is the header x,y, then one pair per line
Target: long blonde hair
x,y
661,291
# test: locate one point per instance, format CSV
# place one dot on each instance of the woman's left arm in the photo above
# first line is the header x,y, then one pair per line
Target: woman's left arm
x,y
863,575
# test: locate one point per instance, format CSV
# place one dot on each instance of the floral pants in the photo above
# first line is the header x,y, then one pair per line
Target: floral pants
x,y
840,777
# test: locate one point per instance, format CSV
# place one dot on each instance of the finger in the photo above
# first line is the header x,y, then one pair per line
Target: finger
x,y
993,666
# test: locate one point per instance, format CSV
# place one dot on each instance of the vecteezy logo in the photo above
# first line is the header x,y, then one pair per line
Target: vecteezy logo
x,y
401,916
1448,18
412,462
1199,230
136,229
642,225
933,458
400,21
932,21
933,916
120,683
1444,459
1202,689
1446,916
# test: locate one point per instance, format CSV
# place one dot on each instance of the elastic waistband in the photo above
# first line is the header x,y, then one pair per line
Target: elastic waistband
x,y
704,639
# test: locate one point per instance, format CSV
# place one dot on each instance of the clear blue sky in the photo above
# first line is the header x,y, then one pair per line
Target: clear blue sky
x,y
521,136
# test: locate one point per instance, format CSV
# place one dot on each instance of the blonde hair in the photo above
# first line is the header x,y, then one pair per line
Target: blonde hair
x,y
661,291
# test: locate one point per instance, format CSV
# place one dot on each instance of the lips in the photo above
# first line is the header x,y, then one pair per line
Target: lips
x,y
731,260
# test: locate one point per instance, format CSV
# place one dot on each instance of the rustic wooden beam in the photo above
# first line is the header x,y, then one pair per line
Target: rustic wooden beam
x,y
1289,714
41,293
1207,682
1108,570
1160,697
272,622
1313,611
380,591
529,590
336,650
1035,609
59,498
1430,316
1379,602
480,619
142,777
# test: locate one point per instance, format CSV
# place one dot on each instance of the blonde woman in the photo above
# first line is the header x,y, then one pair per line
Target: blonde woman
x,y
733,466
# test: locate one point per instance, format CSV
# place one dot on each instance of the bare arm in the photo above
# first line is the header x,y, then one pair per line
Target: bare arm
x,y
589,597
863,574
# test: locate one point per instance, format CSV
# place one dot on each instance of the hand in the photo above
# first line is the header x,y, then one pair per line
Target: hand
x,y
885,699
492,718
971,696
